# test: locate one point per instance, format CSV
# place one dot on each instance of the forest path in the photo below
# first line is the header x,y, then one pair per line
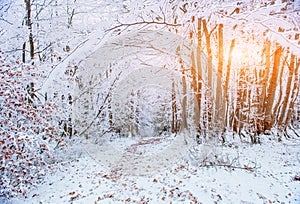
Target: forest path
x,y
140,157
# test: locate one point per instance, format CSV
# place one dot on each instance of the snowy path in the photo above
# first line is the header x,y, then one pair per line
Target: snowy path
x,y
141,157
85,180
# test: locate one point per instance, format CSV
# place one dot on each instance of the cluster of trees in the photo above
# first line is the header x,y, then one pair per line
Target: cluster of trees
x,y
248,95
244,71
251,81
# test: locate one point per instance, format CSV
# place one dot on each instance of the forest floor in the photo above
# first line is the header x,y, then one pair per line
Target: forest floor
x,y
104,173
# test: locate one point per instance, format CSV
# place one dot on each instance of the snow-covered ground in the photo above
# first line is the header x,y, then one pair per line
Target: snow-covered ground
x,y
267,173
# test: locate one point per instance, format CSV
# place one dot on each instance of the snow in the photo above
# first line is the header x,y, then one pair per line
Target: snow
x,y
84,178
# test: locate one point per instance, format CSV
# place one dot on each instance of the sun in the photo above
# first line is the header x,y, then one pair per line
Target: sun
x,y
238,54
245,54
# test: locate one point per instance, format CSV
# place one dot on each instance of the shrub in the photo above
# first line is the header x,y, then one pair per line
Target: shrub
x,y
26,128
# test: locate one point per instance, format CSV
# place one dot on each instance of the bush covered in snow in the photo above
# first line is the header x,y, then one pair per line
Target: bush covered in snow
x,y
27,129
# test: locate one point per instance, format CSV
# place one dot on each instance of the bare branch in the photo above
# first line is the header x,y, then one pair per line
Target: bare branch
x,y
143,23
245,167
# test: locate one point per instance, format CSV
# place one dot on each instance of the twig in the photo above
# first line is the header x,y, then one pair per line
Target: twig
x,y
55,66
142,23
247,168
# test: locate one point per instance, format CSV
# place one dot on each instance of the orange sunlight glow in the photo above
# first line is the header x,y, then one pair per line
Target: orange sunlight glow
x,y
238,54
246,54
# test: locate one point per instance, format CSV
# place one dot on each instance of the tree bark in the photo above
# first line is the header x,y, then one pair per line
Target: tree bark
x,y
265,78
174,109
199,69
24,52
209,53
226,84
269,115
209,94
219,107
287,96
195,87
220,51
29,24
184,103
295,93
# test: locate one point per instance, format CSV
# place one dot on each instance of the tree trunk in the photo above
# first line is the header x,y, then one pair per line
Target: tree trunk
x,y
194,86
239,117
219,107
278,105
71,15
280,88
24,52
184,103
265,79
199,69
29,24
174,109
287,96
269,115
226,84
209,53
209,94
295,93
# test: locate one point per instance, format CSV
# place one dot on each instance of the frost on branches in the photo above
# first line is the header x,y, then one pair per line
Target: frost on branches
x,y
28,132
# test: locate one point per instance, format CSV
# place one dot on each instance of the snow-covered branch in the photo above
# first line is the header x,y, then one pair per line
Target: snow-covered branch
x,y
143,23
